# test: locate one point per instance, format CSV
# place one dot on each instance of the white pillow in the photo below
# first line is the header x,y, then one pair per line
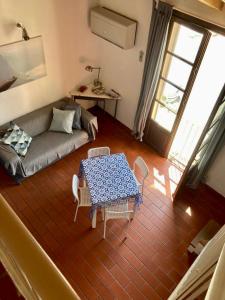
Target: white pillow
x,y
62,120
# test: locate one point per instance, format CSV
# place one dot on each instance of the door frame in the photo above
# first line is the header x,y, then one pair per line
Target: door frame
x,y
202,23
186,92
194,72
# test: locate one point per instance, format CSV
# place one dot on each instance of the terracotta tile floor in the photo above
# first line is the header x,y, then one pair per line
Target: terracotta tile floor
x,y
153,258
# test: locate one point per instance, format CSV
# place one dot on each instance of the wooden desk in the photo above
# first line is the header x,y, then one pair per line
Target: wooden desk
x,y
89,95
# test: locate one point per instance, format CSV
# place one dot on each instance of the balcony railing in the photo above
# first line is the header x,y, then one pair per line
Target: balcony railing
x,y
185,141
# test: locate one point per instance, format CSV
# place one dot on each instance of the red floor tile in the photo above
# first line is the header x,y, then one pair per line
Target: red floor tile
x,y
120,275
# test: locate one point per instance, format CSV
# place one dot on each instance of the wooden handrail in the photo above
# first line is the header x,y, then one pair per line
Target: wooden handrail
x,y
216,288
32,271
198,277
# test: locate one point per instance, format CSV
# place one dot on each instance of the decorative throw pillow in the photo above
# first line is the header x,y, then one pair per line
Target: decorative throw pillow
x,y
62,120
18,139
77,115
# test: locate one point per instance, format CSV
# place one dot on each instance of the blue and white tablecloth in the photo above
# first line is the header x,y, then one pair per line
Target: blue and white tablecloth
x,y
110,180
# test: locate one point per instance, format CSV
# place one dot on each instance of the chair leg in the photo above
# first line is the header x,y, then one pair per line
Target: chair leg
x,y
75,217
94,217
104,233
103,214
126,230
141,189
133,213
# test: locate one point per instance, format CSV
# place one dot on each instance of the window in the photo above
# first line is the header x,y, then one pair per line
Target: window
x,y
183,47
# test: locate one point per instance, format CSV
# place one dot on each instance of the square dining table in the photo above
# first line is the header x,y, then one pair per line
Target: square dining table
x,y
110,181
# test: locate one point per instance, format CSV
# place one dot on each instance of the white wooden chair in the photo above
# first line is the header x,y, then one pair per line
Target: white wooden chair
x,y
84,198
141,164
92,152
119,211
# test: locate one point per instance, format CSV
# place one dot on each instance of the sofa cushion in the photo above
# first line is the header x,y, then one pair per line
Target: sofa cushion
x,y
62,120
51,146
18,139
77,115
38,121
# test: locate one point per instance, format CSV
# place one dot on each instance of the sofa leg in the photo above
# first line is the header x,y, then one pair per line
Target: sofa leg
x,y
18,179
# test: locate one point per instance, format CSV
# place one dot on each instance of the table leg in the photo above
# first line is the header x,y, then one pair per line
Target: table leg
x,y
104,104
115,108
93,224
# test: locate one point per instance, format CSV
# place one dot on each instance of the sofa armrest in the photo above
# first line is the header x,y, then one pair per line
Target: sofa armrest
x,y
10,160
89,122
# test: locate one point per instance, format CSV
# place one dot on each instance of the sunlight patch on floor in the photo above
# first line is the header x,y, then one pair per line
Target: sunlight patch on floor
x,y
174,174
158,186
189,211
173,187
160,178
166,183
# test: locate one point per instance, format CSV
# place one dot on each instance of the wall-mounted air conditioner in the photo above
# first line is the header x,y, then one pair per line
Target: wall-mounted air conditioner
x,y
113,27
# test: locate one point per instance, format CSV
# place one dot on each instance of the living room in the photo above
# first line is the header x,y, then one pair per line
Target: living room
x,y
153,258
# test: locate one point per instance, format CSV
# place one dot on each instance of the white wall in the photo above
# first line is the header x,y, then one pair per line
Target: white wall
x,y
122,70
216,175
68,46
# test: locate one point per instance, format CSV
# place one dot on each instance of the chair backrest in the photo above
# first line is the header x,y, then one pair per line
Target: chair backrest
x,y
92,152
139,161
75,185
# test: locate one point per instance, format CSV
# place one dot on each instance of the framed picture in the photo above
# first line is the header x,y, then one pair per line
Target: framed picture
x,y
21,62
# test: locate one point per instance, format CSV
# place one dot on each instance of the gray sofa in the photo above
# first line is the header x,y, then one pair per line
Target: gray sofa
x,y
46,146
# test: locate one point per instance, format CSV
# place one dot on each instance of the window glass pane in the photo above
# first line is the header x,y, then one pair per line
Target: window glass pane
x,y
185,42
169,95
163,116
176,71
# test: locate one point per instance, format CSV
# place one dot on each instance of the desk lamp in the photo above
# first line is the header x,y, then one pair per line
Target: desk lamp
x,y
97,82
